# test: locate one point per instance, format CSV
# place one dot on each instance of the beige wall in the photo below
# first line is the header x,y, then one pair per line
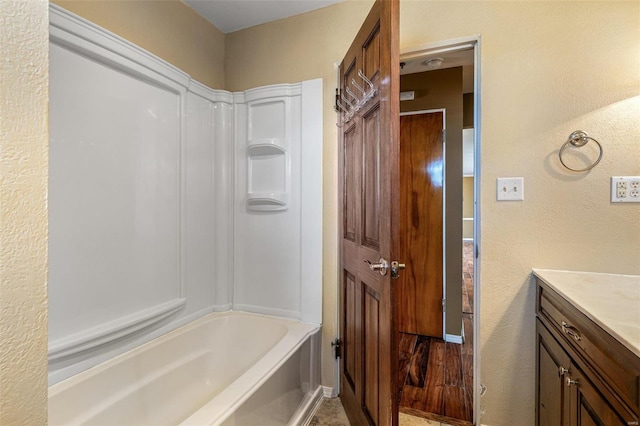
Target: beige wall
x,y
467,206
540,82
169,29
433,90
24,37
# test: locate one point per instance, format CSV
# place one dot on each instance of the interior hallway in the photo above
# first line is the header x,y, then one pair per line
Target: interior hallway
x,y
436,377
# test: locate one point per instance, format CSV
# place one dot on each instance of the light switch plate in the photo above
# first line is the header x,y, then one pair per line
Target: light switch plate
x,y
407,96
625,189
510,189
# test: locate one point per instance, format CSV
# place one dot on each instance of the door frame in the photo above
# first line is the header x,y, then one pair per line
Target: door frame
x,y
444,204
463,43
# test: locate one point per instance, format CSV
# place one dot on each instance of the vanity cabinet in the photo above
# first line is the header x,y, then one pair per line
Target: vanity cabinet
x,y
584,376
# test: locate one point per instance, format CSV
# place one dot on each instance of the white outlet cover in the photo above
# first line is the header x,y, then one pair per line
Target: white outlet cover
x,y
510,189
625,189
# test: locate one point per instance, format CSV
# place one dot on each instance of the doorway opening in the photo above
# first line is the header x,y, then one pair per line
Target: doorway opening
x,y
440,234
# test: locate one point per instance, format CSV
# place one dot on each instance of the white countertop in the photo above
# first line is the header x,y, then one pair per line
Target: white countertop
x,y
610,300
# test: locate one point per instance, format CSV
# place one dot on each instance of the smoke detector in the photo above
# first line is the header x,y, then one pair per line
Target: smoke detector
x,y
433,63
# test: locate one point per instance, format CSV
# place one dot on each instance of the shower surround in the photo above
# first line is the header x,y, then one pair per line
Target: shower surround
x,y
169,200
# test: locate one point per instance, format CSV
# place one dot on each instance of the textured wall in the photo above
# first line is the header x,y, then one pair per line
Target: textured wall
x,y
541,80
169,29
24,35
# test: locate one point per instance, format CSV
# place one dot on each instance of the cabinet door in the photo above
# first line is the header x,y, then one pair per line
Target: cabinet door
x,y
552,397
589,407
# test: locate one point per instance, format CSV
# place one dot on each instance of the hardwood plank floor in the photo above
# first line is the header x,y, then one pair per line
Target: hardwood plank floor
x,y
436,377
467,277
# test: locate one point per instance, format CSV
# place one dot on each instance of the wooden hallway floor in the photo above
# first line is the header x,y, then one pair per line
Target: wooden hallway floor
x,y
436,377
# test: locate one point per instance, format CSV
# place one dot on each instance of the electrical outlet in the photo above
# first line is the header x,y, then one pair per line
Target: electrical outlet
x,y
625,189
510,189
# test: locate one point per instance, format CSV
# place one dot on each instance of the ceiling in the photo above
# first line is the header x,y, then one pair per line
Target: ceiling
x,y
451,59
234,15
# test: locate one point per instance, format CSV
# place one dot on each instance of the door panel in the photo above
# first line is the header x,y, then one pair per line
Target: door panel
x,y
371,362
350,185
588,406
371,180
552,399
370,205
350,329
421,223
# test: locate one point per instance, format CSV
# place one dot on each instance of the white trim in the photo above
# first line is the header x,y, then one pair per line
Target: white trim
x,y
453,338
272,91
338,250
311,201
112,330
476,230
451,45
329,392
429,111
69,29
210,94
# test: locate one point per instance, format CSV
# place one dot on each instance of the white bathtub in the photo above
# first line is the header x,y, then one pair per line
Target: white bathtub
x,y
231,369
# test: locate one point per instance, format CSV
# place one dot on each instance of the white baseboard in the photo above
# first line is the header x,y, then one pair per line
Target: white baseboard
x,y
329,392
453,338
308,409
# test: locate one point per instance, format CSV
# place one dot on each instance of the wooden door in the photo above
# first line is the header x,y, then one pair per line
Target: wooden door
x,y
552,397
589,407
369,213
419,289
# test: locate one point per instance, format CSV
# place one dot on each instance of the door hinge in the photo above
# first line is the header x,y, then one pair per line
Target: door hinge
x,y
337,348
444,305
477,251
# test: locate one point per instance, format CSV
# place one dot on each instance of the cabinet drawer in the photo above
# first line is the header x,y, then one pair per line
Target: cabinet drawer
x,y
618,367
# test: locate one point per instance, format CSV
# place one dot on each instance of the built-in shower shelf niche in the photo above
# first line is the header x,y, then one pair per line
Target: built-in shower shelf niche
x,y
268,162
268,175
266,146
267,202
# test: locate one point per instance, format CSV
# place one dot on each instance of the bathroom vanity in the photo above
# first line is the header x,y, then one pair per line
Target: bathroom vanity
x,y
587,348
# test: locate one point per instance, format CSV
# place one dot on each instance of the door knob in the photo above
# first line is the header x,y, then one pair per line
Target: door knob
x,y
571,382
381,266
396,268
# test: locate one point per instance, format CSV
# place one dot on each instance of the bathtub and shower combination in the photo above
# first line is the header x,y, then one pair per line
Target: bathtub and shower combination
x,y
231,369
170,204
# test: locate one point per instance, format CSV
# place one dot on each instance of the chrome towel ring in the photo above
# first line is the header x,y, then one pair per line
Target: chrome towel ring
x,y
579,139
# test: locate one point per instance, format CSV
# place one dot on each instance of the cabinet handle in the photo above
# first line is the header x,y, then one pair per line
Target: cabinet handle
x,y
562,371
571,382
571,331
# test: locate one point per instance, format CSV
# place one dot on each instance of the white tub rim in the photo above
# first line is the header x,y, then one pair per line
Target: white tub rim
x,y
216,411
